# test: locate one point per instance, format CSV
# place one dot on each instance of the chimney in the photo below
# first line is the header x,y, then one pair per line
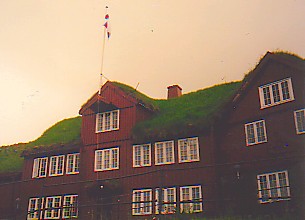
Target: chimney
x,y
174,91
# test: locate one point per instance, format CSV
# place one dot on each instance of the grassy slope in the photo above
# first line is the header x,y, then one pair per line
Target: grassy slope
x,y
195,109
65,131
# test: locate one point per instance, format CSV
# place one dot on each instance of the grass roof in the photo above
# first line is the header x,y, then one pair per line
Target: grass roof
x,y
142,98
189,112
63,132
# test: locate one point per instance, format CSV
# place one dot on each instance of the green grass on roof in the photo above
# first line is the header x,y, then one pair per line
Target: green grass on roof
x,y
65,131
149,102
194,110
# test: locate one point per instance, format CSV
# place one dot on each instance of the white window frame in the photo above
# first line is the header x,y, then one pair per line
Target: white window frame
x,y
140,204
141,155
69,208
169,200
299,120
40,167
278,98
161,152
72,163
52,209
255,135
107,159
36,211
188,150
104,124
187,200
56,166
265,188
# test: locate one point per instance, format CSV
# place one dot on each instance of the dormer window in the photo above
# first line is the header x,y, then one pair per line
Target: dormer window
x,y
276,93
107,121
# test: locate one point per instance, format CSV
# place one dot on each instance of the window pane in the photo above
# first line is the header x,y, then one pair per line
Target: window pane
x,y
106,159
43,167
147,204
250,134
137,155
60,165
76,163
146,155
107,121
300,120
185,199
193,149
115,121
70,163
267,99
276,93
169,152
196,198
183,150
52,165
159,151
98,160
273,186
114,158
285,90
100,118
260,131
283,185
264,188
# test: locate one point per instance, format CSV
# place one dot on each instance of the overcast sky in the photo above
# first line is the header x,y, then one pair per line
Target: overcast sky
x,y
51,50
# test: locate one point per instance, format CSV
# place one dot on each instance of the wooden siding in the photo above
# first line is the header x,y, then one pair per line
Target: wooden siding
x,y
284,149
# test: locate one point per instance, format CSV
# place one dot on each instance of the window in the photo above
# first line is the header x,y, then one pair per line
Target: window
x,y
299,118
72,166
106,159
56,165
188,150
70,209
141,155
168,199
164,152
190,199
40,167
276,93
142,202
255,132
52,208
35,208
273,187
107,121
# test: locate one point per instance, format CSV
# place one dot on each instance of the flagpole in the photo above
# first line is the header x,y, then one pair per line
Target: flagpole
x,y
102,59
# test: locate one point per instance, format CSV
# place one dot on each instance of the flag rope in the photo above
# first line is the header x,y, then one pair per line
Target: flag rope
x,y
103,49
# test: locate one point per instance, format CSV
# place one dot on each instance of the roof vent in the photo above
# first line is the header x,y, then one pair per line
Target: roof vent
x,y
174,91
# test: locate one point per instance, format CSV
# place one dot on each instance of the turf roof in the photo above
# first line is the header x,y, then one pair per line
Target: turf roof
x,y
63,132
189,112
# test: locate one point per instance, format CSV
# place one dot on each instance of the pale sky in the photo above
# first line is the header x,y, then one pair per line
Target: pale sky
x,y
51,50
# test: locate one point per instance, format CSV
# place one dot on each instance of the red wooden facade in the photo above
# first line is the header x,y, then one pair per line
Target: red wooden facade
x,y
223,176
282,151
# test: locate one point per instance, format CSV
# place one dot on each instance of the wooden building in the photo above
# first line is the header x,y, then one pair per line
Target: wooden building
x,y
262,137
235,148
